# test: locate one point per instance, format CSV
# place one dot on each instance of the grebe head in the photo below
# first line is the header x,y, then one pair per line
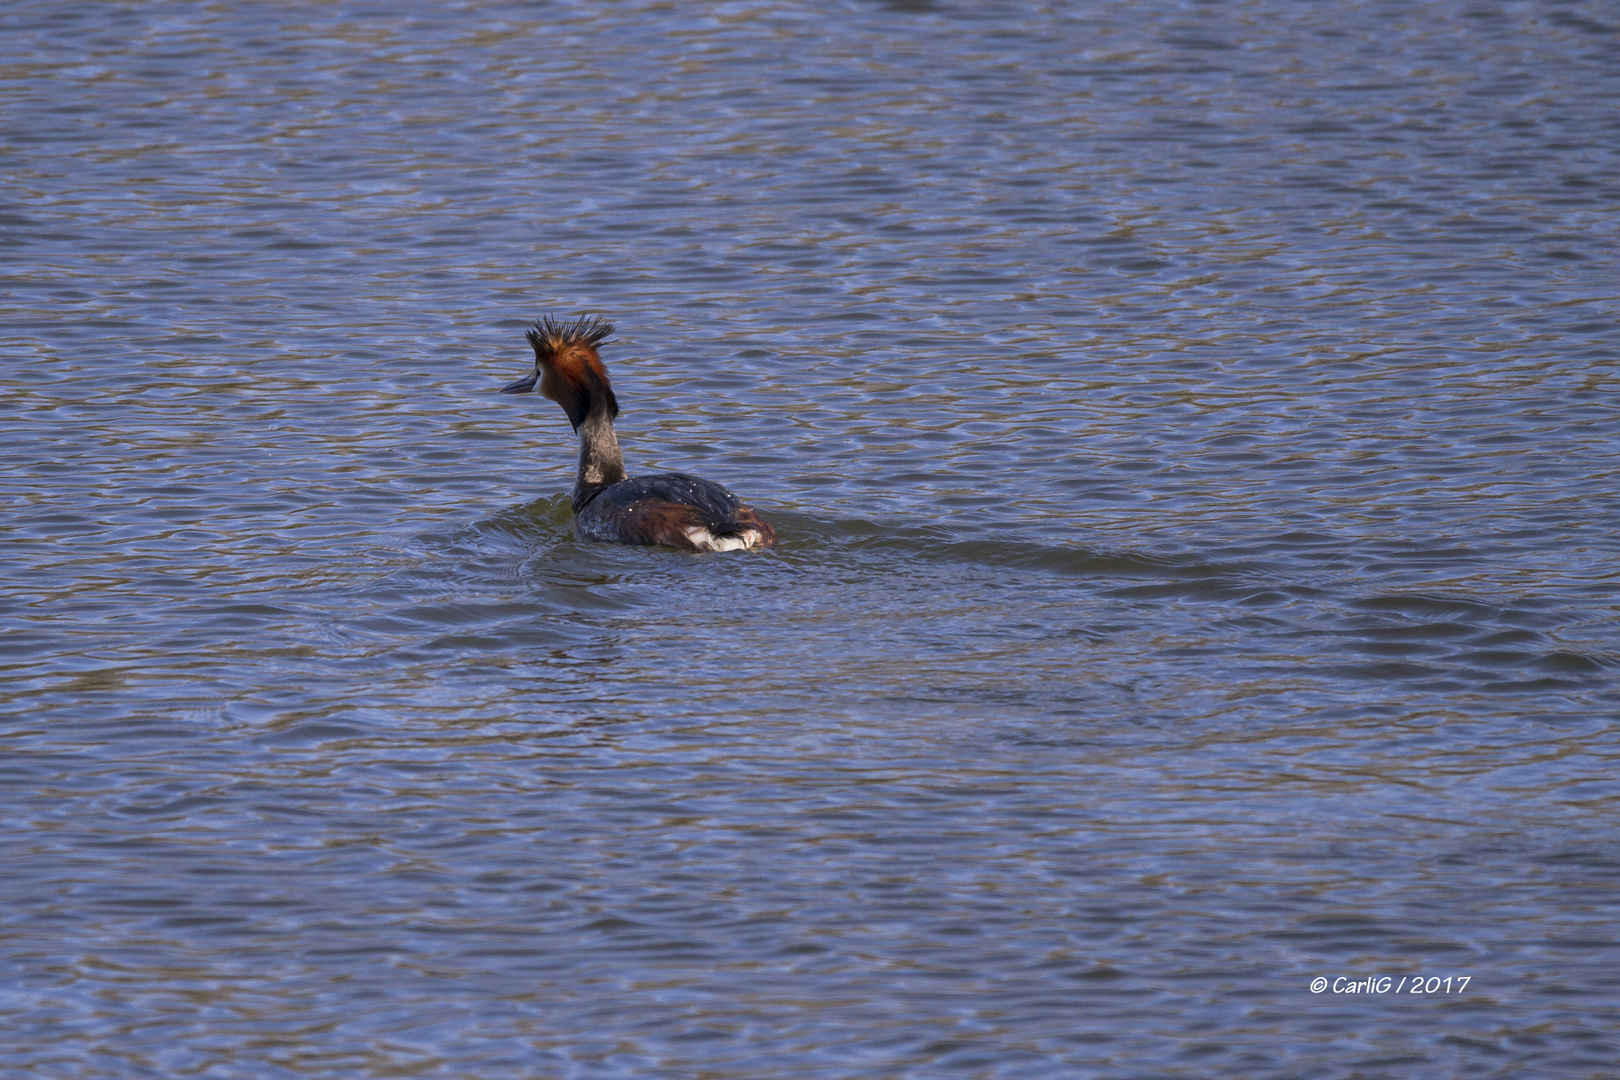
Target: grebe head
x,y
568,369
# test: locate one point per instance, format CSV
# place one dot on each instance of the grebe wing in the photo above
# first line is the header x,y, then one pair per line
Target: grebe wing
x,y
716,503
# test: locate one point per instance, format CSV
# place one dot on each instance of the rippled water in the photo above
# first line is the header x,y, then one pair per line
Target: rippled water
x,y
1192,429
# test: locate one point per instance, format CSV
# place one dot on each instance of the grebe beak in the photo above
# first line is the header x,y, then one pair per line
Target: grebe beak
x,y
523,385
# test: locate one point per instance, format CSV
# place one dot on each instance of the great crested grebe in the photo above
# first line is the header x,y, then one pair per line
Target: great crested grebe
x,y
672,509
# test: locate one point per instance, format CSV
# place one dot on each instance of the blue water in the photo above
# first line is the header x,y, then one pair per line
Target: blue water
x,y
1191,428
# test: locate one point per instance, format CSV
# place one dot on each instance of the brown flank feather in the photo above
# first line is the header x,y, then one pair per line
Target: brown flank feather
x,y
659,522
747,517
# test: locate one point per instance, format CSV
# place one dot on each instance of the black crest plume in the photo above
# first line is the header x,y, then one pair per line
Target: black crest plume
x,y
551,335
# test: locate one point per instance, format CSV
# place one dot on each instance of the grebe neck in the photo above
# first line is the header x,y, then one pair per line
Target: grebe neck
x,y
600,461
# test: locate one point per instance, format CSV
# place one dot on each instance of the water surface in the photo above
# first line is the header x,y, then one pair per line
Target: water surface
x,y
1192,432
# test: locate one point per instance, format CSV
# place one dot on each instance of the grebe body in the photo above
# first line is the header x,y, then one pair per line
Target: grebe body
x,y
674,510
668,509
